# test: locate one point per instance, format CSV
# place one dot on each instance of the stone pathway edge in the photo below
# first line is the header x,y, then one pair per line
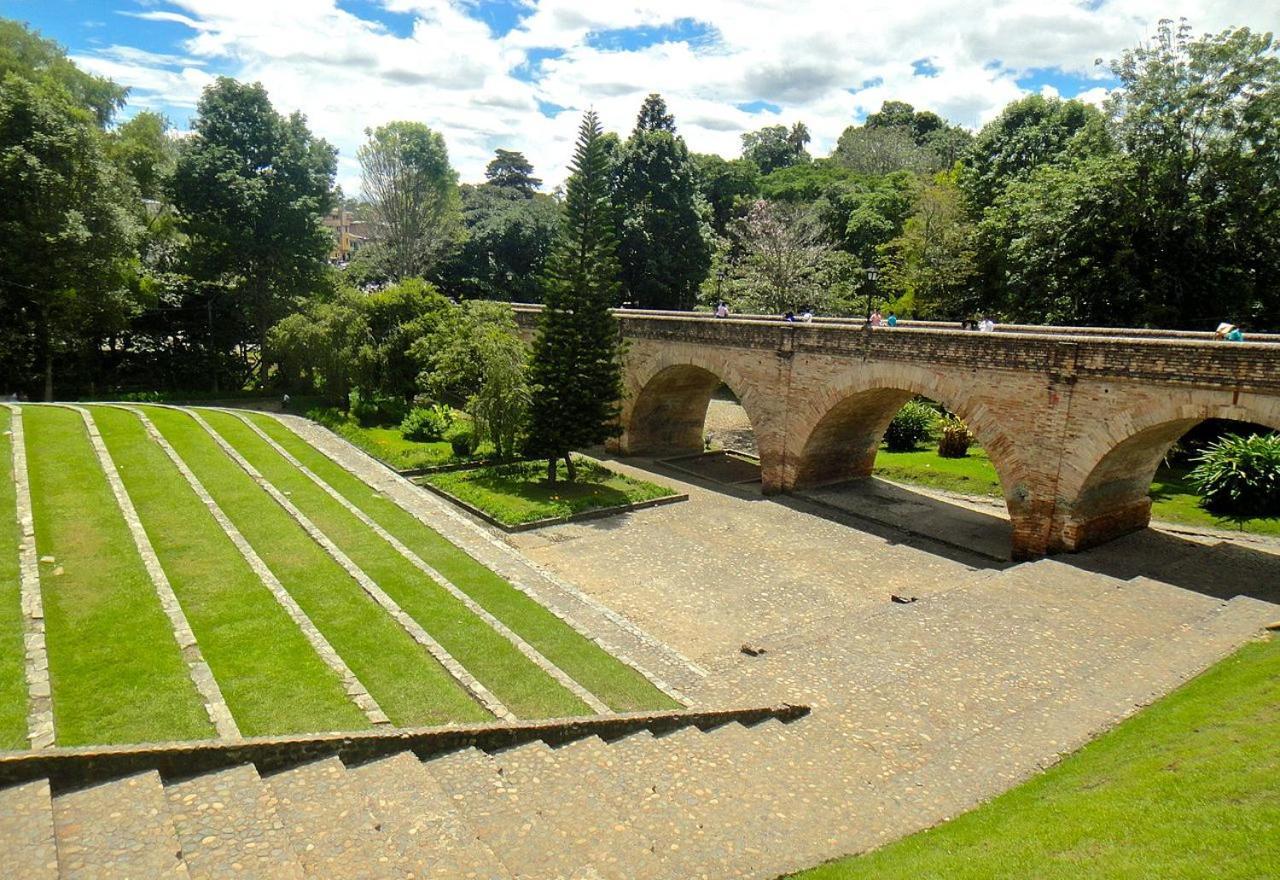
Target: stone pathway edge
x,y
530,652
201,675
352,685
40,730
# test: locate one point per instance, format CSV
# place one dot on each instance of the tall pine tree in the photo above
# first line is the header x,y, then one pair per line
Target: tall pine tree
x,y
577,372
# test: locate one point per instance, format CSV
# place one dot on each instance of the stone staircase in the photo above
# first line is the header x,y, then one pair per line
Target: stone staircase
x,y
919,712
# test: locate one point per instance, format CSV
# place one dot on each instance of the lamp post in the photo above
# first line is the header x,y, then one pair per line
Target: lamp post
x,y
872,274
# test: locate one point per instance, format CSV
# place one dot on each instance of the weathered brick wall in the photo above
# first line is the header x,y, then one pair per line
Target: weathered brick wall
x,y
1074,422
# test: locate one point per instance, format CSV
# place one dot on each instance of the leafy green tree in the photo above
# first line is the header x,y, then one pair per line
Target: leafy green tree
x,y
783,249
882,150
397,317
405,172
499,407
1197,117
933,263
28,55
776,146
509,169
250,187
576,375
728,186
66,236
321,348
664,247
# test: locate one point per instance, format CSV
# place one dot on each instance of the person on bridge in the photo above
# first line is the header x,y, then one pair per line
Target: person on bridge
x,y
892,320
1229,332
986,325
875,320
722,309
806,314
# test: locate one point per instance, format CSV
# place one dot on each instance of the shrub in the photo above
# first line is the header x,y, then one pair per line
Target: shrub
x,y
955,439
426,424
372,408
910,427
464,444
1240,476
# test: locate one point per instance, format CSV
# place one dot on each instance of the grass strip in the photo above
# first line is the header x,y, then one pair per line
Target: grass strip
x,y
619,686
13,680
522,686
116,671
519,493
1189,787
272,680
410,686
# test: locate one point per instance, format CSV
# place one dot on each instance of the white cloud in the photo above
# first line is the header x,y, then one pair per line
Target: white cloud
x,y
822,61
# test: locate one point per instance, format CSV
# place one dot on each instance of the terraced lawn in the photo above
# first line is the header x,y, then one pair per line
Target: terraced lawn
x,y
115,667
13,684
619,686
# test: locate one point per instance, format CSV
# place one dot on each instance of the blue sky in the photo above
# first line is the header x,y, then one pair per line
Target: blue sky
x,y
518,73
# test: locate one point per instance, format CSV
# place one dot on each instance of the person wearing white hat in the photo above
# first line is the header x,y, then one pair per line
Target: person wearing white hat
x,y
1229,332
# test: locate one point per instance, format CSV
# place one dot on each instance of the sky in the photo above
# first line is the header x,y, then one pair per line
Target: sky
x,y
517,74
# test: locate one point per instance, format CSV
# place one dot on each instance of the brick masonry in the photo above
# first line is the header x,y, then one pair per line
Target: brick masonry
x,y
1075,422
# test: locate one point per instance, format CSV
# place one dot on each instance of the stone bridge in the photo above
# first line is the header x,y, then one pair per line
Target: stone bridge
x,y
1075,421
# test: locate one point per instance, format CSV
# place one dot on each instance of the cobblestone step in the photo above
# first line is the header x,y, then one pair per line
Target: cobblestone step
x,y
117,831
26,830
411,811
228,827
326,815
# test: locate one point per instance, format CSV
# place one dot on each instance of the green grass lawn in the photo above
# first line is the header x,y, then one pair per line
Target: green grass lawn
x,y
412,688
519,493
387,444
1188,788
1173,498
272,679
619,686
114,664
514,679
13,682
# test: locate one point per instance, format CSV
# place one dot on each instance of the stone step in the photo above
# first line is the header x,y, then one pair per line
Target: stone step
x,y
228,827
26,828
327,818
421,824
464,775
116,831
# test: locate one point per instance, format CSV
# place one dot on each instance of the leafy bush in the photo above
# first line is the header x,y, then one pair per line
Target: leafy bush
x,y
464,444
1240,476
372,408
910,427
426,424
955,439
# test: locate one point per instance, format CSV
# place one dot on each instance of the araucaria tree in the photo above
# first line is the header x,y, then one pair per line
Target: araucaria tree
x,y
405,172
576,374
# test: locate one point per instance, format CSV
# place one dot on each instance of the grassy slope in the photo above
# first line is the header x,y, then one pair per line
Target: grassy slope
x,y
520,493
1174,500
1188,788
519,683
618,685
411,687
271,678
115,667
13,682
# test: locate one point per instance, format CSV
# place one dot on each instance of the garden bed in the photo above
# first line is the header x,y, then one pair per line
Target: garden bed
x,y
388,445
516,497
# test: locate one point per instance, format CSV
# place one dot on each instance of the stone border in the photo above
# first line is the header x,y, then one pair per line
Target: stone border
x,y
69,767
531,653
504,560
201,675
469,682
352,685
40,730
595,513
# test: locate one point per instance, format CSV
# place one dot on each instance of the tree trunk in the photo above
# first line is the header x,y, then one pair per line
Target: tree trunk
x,y
570,467
551,470
48,373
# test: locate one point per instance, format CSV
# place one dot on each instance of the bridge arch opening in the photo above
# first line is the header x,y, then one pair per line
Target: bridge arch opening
x,y
1118,491
669,413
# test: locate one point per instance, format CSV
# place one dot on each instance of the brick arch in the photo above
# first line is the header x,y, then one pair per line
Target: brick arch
x,y
841,436
665,401
1106,476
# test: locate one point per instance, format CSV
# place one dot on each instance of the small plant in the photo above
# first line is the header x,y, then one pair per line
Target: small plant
x,y
463,444
910,427
955,439
1239,477
426,424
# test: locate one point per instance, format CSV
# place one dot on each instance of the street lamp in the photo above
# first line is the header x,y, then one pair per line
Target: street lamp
x,y
872,274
